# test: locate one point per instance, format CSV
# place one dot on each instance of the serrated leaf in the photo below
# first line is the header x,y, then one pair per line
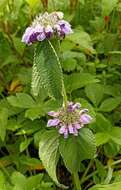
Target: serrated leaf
x,y
48,152
75,149
69,148
87,144
47,71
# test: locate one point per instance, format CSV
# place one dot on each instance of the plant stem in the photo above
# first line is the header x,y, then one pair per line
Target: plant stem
x,y
95,172
86,171
77,181
64,95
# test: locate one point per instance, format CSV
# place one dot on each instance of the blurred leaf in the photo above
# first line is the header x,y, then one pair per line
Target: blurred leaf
x,y
81,41
18,180
113,186
21,100
115,135
25,144
111,149
95,93
108,6
110,104
3,122
102,138
103,124
78,80
33,181
100,168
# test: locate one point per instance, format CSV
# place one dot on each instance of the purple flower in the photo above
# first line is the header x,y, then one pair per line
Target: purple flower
x,y
53,122
46,26
71,120
65,28
85,119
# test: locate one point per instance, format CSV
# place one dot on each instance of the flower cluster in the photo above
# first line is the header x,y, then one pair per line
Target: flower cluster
x,y
46,26
69,121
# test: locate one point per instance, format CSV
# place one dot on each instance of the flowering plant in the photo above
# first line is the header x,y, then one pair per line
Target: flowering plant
x,y
46,26
48,29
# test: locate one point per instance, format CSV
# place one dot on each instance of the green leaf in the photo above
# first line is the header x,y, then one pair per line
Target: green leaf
x,y
102,123
69,149
108,6
87,144
25,144
100,169
3,122
78,80
48,152
111,149
113,186
95,93
33,181
21,100
102,138
18,180
2,181
69,64
81,40
47,70
110,104
115,135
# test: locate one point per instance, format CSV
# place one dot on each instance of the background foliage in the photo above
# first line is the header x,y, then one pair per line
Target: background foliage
x,y
92,76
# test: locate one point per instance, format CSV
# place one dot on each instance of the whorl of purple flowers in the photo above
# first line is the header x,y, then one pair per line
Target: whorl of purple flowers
x,y
46,26
69,121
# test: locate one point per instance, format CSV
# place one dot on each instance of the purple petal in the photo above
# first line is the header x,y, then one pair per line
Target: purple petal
x,y
75,132
70,106
66,133
77,106
71,129
85,119
48,31
41,36
53,122
38,29
53,113
62,130
65,27
77,125
26,36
